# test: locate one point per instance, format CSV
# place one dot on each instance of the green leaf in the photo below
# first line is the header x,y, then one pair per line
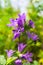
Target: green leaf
x,y
35,63
9,60
26,63
40,54
2,60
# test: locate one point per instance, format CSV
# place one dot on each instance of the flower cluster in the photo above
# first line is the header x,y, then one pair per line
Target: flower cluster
x,y
27,56
19,27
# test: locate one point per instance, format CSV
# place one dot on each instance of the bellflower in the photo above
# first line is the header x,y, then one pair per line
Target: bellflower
x,y
13,23
17,32
33,36
27,56
31,24
21,20
29,34
21,47
18,62
18,25
18,22
9,53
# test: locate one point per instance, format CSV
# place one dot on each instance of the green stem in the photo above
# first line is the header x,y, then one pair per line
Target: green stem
x,y
28,45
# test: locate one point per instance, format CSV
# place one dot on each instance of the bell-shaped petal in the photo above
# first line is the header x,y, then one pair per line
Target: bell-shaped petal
x,y
9,53
21,20
27,56
34,37
18,62
16,35
13,23
31,24
21,46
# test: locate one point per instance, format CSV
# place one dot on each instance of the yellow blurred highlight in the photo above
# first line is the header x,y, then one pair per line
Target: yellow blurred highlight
x,y
38,44
40,26
41,33
41,61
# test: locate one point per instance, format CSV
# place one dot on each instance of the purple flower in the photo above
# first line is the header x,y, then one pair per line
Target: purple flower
x,y
21,46
13,23
22,29
31,24
16,34
29,34
18,25
18,62
9,53
18,22
22,16
21,19
27,56
33,36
